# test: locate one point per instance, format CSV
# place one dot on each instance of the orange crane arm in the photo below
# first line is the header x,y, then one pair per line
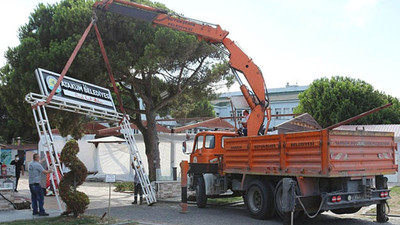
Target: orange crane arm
x,y
211,33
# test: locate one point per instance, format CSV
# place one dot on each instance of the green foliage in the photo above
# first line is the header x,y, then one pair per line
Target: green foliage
x,y
76,201
337,99
9,127
46,41
124,186
146,62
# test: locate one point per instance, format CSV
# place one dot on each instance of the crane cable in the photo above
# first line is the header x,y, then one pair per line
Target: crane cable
x,y
105,58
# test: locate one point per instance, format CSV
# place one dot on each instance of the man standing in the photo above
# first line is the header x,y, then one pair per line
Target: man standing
x,y
244,123
19,167
138,189
35,172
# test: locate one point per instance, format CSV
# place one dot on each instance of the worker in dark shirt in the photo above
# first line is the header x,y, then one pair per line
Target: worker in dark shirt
x,y
19,167
138,189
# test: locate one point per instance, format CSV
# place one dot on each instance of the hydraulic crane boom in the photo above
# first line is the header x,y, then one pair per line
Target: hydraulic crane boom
x,y
238,60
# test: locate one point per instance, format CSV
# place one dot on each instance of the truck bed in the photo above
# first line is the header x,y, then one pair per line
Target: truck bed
x,y
324,153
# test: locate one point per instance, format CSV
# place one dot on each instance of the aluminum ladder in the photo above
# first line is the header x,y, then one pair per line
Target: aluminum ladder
x,y
148,190
51,155
55,103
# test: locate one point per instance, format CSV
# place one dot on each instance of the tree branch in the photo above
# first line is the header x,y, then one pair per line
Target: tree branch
x,y
186,85
180,77
138,119
140,91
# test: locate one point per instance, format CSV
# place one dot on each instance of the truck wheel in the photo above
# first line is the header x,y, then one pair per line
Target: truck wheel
x,y
381,216
201,197
259,200
279,203
346,210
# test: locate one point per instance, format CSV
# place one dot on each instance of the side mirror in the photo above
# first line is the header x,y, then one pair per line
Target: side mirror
x,y
187,148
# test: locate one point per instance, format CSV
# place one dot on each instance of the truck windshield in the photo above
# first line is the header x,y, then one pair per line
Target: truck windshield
x,y
199,142
210,141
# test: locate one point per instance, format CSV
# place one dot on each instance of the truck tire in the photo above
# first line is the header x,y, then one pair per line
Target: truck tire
x,y
259,199
381,216
279,202
346,210
201,197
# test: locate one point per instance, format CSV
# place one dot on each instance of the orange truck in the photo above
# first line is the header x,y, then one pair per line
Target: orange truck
x,y
286,174
295,173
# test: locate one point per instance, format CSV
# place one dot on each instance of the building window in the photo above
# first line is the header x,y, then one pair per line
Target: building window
x,y
277,112
286,111
239,113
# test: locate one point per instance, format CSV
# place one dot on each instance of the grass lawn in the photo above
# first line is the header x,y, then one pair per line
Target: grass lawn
x,y
64,220
394,203
222,201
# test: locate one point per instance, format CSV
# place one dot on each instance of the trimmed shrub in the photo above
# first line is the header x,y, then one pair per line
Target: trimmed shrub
x,y
76,201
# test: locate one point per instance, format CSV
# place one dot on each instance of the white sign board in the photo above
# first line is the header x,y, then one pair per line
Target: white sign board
x,y
75,91
110,178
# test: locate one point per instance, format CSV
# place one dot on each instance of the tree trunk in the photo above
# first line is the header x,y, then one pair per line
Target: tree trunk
x,y
151,144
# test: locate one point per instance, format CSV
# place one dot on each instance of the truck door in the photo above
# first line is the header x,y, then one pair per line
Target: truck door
x,y
197,150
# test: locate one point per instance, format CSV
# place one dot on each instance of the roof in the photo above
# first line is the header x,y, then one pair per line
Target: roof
x,y
110,139
304,122
93,127
115,130
211,123
221,132
89,128
26,147
395,128
290,88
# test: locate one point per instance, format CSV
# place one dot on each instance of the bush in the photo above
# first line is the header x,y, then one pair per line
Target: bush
x,y
76,201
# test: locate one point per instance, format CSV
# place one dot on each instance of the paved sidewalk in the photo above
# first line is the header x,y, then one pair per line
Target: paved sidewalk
x,y
97,191
26,214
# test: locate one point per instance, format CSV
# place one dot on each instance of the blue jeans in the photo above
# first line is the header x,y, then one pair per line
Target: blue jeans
x,y
37,197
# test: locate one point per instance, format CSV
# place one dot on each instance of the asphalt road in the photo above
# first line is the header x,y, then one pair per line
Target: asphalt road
x,y
168,213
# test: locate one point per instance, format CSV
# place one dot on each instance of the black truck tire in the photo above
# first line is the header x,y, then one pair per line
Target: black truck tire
x,y
346,210
201,197
260,200
381,216
278,203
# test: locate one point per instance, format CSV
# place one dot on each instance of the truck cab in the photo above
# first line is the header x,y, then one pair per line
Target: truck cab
x,y
208,146
205,175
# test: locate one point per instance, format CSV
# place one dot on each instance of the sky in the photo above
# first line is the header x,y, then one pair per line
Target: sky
x,y
291,41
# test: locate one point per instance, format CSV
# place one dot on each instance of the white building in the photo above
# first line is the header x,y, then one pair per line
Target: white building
x,y
283,101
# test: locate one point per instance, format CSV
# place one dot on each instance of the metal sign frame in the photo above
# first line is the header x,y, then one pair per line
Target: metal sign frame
x,y
75,91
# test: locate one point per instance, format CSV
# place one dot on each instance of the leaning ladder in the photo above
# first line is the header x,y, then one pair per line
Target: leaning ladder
x,y
43,126
51,155
148,190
